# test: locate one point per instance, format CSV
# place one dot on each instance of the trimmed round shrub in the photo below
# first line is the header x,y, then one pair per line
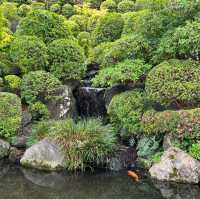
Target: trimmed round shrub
x,y
13,82
129,47
29,53
45,25
10,115
66,59
174,83
125,111
181,123
81,20
126,6
68,10
39,86
108,28
73,27
55,8
183,43
128,71
23,10
109,5
86,144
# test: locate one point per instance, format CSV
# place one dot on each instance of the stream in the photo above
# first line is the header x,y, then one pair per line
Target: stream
x,y
20,183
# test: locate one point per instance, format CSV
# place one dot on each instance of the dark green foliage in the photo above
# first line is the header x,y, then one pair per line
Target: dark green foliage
x,y
129,47
182,123
109,5
68,10
126,109
45,25
39,86
182,43
128,71
10,115
86,144
126,6
174,83
29,53
108,28
67,60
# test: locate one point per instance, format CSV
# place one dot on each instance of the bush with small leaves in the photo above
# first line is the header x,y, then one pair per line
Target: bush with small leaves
x,y
45,25
109,5
67,60
13,82
23,10
39,86
128,71
93,3
84,41
10,115
108,28
181,124
174,83
195,151
39,111
37,5
125,111
126,6
68,10
81,20
55,8
29,53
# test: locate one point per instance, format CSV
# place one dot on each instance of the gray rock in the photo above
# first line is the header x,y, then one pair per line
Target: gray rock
x,y
26,118
168,141
124,158
4,149
177,166
44,155
65,106
20,141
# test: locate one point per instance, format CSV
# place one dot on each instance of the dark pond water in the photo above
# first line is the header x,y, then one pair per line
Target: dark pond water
x,y
18,183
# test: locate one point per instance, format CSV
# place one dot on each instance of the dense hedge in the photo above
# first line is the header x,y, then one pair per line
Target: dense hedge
x,y
66,59
29,53
174,82
10,115
45,25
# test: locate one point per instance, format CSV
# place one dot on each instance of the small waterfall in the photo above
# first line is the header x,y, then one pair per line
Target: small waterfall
x,y
90,101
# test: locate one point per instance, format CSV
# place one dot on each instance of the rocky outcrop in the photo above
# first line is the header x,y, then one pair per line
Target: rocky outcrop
x,y
177,166
124,158
4,149
65,106
44,155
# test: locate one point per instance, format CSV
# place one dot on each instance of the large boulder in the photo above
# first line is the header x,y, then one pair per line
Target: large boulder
x,y
44,155
65,106
4,149
177,166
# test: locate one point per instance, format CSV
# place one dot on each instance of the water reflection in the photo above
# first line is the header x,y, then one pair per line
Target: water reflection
x,y
18,183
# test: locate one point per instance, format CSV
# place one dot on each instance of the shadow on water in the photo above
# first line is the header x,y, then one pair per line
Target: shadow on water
x,y
19,183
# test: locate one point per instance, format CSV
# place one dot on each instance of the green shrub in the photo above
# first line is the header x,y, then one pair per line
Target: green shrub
x,y
29,53
109,5
129,47
68,10
81,20
73,27
126,6
154,5
66,59
195,151
92,21
93,3
97,54
84,41
181,123
23,10
125,111
39,111
182,43
10,115
85,143
13,82
55,8
108,28
37,5
39,86
9,10
174,83
128,71
45,25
